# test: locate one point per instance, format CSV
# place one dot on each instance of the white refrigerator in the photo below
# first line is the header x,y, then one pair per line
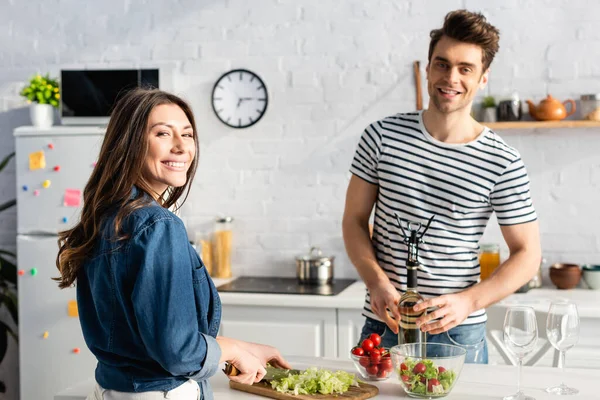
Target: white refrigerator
x,y
53,166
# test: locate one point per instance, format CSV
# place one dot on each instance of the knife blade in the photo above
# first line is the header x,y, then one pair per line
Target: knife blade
x,y
272,372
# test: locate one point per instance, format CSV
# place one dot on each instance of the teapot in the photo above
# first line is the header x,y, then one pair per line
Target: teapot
x,y
550,109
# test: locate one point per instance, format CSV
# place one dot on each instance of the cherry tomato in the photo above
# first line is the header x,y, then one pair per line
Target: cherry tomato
x,y
382,373
386,364
420,368
403,367
375,351
372,369
405,378
375,357
376,339
432,382
364,361
358,351
441,369
367,345
423,379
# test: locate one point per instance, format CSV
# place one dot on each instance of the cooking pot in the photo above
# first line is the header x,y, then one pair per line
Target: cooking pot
x,y
314,268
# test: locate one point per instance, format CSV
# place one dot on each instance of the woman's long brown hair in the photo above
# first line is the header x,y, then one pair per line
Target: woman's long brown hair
x,y
118,169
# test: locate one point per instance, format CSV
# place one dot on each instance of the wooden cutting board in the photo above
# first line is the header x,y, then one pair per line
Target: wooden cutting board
x,y
363,391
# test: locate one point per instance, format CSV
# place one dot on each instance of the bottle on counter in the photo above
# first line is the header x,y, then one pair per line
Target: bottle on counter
x,y
204,247
408,331
489,259
222,247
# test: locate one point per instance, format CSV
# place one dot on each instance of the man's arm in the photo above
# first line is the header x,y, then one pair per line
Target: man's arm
x,y
360,199
523,241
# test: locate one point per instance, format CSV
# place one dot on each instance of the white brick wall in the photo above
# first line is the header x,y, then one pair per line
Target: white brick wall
x,y
331,68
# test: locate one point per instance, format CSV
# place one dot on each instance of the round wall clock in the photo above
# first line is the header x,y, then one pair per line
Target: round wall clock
x,y
239,98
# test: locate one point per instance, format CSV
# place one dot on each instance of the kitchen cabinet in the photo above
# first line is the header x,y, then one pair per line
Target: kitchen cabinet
x,y
293,330
350,323
330,326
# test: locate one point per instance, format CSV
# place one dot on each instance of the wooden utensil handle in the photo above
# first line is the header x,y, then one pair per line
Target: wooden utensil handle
x,y
231,370
417,71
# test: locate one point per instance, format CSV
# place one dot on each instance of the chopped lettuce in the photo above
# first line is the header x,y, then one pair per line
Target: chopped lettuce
x,y
315,381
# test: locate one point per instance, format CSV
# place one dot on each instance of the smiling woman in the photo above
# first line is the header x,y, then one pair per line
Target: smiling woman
x,y
171,148
148,309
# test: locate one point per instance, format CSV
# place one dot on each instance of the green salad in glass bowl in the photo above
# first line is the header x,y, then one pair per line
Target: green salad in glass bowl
x,y
427,371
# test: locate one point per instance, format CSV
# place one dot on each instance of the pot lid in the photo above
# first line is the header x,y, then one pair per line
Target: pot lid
x,y
314,254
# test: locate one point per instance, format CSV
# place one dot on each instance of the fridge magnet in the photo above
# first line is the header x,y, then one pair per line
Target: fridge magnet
x,y
46,184
25,188
37,160
21,272
76,350
33,271
36,192
51,146
57,168
72,309
72,198
64,220
45,335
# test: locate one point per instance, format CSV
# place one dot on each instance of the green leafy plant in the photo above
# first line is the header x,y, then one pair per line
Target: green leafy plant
x,y
488,102
8,285
42,90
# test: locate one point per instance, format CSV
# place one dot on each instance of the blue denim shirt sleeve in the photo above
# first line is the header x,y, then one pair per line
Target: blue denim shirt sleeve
x,y
164,304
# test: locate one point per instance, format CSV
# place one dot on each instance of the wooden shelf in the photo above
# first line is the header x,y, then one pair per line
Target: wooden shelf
x,y
541,124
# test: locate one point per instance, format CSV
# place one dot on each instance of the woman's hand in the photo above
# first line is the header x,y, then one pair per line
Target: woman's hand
x,y
266,354
250,368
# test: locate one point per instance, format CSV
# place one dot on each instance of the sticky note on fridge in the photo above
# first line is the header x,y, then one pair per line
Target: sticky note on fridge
x,y
37,160
72,309
72,197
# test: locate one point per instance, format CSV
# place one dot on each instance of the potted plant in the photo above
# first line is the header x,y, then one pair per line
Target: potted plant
x,y
43,94
8,288
488,107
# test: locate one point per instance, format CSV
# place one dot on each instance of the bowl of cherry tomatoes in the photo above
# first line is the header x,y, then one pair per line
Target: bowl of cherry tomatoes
x,y
372,361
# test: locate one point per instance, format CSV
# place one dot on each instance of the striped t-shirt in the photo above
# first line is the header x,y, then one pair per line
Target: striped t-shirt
x,y
462,184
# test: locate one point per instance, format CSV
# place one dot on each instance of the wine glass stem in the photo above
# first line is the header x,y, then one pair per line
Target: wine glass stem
x,y
519,365
561,363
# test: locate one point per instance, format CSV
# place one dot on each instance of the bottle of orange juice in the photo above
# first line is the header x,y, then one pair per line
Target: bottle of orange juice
x,y
489,259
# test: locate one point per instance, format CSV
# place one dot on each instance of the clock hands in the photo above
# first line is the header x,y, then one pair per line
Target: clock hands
x,y
240,99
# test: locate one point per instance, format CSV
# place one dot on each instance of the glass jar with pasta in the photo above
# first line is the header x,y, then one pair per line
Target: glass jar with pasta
x,y
222,247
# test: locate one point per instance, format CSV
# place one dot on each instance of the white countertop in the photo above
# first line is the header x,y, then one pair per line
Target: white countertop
x,y
476,382
588,301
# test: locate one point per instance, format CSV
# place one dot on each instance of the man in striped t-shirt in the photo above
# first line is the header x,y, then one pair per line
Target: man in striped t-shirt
x,y
441,162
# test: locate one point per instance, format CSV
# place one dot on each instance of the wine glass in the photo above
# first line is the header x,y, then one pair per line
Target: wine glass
x,y
520,337
562,329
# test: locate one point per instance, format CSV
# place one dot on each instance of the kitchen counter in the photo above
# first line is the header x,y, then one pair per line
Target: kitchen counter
x,y
476,382
588,301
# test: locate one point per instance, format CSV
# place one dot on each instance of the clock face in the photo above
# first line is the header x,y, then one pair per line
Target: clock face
x,y
239,98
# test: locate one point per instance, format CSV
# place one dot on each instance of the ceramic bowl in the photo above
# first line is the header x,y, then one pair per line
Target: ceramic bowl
x,y
427,371
591,276
565,276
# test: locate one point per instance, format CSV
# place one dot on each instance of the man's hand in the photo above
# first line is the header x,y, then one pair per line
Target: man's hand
x,y
452,309
385,296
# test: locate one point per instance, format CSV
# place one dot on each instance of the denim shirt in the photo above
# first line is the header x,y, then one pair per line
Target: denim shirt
x,y
148,309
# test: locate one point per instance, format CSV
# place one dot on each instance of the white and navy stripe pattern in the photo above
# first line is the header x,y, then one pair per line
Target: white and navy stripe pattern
x,y
462,184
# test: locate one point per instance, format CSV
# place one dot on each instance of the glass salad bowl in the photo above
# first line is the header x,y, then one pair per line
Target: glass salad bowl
x,y
427,371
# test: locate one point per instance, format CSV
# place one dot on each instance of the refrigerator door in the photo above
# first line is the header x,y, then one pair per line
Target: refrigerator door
x,y
49,197
48,335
